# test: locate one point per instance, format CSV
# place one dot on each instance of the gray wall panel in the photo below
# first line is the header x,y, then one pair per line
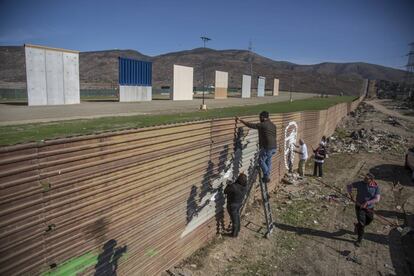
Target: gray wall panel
x,y
246,86
275,87
36,76
183,83
129,93
54,78
71,78
261,87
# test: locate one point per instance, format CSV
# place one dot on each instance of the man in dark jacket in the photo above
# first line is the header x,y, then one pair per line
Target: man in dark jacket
x,y
368,193
320,155
267,142
235,194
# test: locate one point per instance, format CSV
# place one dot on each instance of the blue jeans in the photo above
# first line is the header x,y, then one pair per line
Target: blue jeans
x,y
265,161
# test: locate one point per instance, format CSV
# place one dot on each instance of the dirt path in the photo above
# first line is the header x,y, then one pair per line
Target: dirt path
x,y
12,114
378,106
314,228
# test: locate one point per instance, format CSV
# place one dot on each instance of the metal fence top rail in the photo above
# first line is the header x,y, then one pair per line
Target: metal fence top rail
x,y
51,48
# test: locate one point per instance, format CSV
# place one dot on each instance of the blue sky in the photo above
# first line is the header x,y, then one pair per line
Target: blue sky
x,y
304,32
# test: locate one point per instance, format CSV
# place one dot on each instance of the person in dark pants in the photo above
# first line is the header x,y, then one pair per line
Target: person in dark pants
x,y
320,155
368,193
235,194
267,142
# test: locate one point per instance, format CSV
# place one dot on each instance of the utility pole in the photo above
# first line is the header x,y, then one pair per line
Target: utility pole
x,y
251,57
409,78
290,88
205,40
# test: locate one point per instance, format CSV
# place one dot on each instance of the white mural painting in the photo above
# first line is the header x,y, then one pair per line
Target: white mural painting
x,y
207,201
291,132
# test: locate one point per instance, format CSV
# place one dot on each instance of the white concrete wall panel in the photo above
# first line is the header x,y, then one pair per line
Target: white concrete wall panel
x,y
71,78
183,83
222,79
276,87
128,93
221,85
36,76
261,87
246,86
54,78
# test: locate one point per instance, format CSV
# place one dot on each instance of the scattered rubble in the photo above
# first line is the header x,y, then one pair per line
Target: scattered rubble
x,y
350,139
368,140
293,178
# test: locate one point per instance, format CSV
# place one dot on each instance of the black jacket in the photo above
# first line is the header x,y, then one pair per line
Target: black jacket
x,y
235,193
267,134
320,154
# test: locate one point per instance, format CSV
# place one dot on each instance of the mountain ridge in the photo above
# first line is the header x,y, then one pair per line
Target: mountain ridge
x,y
101,68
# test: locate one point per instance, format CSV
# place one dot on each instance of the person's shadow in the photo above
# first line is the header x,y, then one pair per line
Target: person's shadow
x,y
220,201
108,259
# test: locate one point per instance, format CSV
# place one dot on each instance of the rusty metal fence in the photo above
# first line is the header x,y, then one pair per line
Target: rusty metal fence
x,y
135,201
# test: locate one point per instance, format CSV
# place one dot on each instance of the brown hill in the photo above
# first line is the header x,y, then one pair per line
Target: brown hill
x,y
100,69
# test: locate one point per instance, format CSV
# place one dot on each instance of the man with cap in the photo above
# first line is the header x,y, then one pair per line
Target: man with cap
x,y
267,142
368,193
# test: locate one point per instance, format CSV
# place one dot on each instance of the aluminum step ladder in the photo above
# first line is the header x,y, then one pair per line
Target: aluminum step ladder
x,y
266,204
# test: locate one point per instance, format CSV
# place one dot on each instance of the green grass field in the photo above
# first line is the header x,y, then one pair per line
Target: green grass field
x,y
36,132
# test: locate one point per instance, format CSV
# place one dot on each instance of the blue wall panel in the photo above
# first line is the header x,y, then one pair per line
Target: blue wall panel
x,y
135,72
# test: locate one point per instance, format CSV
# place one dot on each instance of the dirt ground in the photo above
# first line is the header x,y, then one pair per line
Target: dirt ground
x,y
314,225
20,113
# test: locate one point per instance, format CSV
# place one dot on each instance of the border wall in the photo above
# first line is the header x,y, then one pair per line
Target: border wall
x,y
138,201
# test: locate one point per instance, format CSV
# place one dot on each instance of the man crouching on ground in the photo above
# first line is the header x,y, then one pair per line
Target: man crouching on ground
x,y
235,194
368,193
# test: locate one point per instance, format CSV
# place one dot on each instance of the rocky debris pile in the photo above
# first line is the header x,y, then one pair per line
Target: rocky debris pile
x,y
366,140
293,178
334,198
178,271
362,108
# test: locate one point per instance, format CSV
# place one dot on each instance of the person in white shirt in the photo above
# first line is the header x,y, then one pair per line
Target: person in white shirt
x,y
303,156
324,141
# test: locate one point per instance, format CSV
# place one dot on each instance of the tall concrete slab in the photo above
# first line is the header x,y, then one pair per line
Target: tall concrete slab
x,y
246,86
52,75
36,76
129,93
221,85
276,87
261,87
365,87
183,83
54,78
71,78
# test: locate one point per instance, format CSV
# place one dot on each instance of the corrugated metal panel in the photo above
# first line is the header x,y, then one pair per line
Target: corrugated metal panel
x,y
135,72
138,200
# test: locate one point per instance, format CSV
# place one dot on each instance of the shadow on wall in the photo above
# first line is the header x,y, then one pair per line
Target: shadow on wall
x,y
97,231
213,182
108,260
238,150
197,201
